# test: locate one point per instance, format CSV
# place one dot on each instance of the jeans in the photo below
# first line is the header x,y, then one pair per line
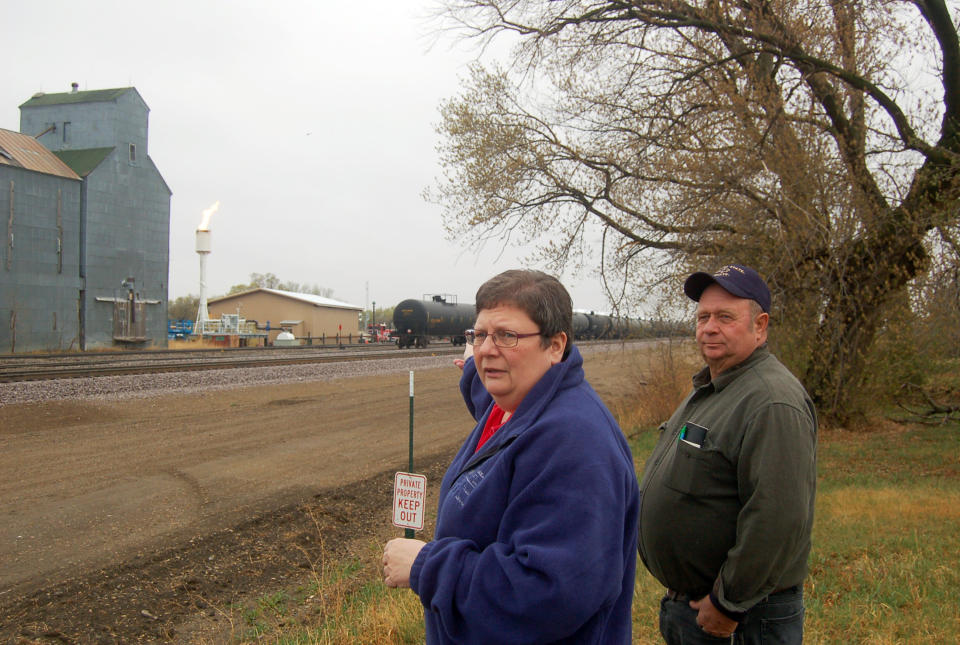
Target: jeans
x,y
778,619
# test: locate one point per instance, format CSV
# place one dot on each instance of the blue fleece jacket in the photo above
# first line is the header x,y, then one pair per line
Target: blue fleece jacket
x,y
536,534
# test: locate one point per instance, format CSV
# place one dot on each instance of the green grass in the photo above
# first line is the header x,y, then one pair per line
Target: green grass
x,y
885,565
647,592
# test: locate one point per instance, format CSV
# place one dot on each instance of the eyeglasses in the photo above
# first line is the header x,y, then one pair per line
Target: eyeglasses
x,y
501,338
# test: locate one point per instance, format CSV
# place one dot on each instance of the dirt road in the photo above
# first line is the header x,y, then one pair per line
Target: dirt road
x,y
126,509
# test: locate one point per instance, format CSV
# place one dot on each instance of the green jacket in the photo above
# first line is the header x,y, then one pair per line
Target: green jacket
x,y
733,516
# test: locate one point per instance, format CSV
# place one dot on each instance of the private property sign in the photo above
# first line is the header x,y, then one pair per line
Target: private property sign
x,y
409,493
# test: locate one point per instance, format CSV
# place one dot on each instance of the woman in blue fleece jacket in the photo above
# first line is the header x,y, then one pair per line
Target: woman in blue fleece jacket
x,y
536,529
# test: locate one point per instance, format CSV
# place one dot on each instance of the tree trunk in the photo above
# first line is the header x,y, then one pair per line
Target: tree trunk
x,y
858,291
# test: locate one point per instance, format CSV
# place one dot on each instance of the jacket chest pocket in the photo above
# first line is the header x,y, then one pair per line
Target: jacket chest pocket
x,y
698,471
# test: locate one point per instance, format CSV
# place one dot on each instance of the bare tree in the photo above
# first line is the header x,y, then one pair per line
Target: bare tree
x,y
818,140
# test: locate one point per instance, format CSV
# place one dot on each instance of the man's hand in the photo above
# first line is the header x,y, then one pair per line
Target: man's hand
x,y
712,620
398,557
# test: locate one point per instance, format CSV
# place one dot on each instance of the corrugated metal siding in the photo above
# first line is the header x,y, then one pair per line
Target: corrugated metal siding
x,y
23,151
39,261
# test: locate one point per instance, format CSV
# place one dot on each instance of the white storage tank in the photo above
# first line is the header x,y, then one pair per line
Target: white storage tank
x,y
285,339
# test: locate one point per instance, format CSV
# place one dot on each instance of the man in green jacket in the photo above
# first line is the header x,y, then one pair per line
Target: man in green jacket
x,y
727,496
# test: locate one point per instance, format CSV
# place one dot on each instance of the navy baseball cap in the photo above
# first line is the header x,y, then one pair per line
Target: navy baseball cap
x,y
739,280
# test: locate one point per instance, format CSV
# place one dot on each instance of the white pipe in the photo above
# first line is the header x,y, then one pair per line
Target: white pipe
x,y
203,250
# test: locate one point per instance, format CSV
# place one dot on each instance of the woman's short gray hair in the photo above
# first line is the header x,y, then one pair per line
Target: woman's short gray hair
x,y
538,294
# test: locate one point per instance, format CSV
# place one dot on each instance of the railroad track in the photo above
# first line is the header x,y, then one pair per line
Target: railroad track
x,y
38,367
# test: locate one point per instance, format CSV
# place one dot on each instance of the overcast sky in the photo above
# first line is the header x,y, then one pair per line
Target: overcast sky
x,y
311,121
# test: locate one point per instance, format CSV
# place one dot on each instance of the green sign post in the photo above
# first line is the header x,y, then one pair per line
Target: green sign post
x,y
409,533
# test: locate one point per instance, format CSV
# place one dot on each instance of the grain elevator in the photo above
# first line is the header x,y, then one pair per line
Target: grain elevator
x,y
86,253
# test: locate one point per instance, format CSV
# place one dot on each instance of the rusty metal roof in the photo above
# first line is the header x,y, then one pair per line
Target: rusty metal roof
x,y
23,151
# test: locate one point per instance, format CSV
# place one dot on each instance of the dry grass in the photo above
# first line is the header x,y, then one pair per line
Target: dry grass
x,y
344,603
180,344
905,507
370,612
659,379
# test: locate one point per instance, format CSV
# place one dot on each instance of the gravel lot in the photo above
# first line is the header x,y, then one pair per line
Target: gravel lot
x,y
109,388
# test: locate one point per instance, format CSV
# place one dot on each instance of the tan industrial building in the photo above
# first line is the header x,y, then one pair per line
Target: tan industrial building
x,y
311,319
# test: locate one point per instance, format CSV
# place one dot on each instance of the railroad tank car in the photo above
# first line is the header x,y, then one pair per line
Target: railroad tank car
x,y
624,327
593,326
419,321
601,326
581,325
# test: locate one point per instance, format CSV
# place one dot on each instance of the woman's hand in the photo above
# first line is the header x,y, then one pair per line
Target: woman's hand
x,y
467,353
398,557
